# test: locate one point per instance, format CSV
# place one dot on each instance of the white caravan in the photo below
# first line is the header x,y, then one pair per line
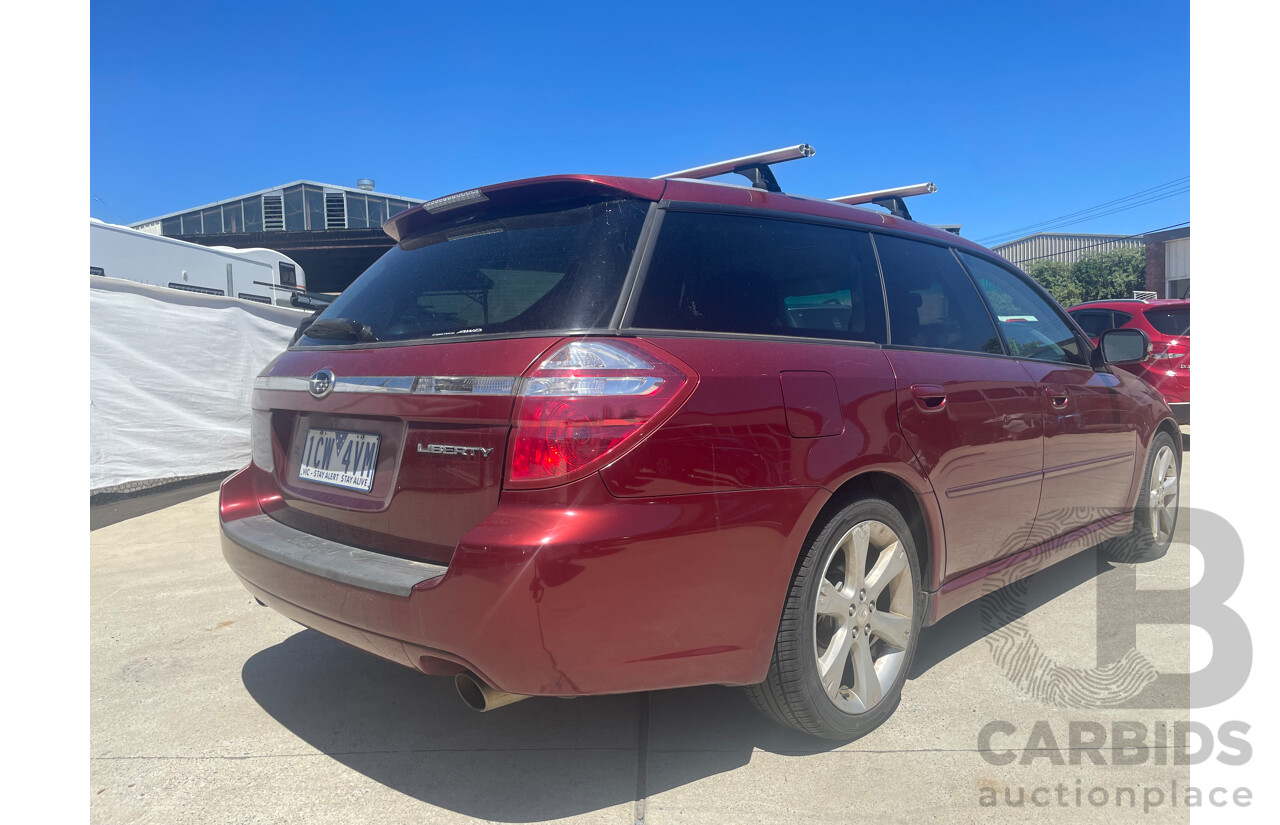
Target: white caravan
x,y
121,252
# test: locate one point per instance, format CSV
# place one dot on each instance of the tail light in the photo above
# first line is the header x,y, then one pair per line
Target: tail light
x,y
586,403
1164,353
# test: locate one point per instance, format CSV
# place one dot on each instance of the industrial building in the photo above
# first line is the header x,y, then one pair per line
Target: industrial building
x,y
333,232
1169,262
1168,267
1062,246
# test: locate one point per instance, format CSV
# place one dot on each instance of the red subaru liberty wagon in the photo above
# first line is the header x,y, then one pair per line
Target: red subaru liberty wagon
x,y
581,435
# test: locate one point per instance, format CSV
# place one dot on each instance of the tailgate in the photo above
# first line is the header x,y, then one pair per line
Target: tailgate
x,y
406,450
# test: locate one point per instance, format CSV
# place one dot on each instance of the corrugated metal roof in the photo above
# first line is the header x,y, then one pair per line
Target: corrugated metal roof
x,y
1058,246
327,186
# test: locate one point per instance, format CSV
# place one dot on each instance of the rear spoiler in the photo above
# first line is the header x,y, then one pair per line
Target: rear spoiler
x,y
440,211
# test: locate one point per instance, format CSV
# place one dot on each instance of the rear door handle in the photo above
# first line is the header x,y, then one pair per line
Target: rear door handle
x,y
1057,397
929,397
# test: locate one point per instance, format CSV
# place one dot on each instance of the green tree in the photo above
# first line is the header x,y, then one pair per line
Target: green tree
x,y
1057,278
1116,273
1112,274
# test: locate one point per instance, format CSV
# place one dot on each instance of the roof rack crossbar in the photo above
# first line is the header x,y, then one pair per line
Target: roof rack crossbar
x,y
754,168
891,199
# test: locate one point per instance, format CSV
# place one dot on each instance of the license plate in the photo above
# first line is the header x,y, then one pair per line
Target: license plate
x,y
340,458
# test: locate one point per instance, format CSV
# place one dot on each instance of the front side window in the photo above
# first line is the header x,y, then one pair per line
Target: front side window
x,y
522,269
1029,323
762,276
932,303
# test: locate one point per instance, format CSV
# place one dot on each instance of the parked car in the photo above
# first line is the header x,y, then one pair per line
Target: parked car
x,y
580,435
1168,324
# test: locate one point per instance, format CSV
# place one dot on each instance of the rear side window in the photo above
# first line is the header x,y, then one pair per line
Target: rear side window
x,y
1170,321
932,302
760,276
1030,325
555,267
1094,322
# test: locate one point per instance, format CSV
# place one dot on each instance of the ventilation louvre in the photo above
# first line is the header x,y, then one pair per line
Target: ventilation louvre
x,y
203,290
273,213
335,211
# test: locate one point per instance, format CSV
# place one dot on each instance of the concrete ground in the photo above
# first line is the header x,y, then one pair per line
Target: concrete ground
x,y
207,708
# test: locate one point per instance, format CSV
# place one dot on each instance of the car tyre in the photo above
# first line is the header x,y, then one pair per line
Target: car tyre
x,y
849,626
1156,513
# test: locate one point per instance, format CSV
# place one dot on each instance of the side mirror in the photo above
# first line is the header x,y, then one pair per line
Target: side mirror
x,y
1124,346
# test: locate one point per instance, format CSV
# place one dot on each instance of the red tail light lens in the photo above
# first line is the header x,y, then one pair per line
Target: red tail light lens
x,y
1163,354
582,405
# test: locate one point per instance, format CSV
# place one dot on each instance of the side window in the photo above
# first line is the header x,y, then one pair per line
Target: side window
x,y
288,274
1121,318
760,276
932,303
1030,325
1094,322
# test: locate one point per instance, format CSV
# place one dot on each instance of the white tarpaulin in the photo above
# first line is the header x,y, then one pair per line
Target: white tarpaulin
x,y
170,378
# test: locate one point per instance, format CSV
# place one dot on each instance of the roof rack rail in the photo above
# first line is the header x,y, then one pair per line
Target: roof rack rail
x,y
891,199
754,168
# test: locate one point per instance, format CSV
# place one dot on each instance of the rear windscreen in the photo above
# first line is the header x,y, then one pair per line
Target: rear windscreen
x,y
1175,321
523,269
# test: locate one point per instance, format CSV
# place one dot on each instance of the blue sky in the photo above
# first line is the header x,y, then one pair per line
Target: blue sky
x,y
1020,112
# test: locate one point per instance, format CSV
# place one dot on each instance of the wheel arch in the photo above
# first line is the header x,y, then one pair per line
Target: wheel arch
x,y
1165,425
923,521
1168,425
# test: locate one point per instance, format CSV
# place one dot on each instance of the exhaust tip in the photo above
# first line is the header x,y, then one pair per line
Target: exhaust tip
x,y
470,691
479,696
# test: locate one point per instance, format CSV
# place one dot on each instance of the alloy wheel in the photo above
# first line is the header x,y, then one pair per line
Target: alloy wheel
x,y
863,616
1162,498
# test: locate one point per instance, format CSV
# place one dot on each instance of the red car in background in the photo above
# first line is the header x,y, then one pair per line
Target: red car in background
x,y
1168,324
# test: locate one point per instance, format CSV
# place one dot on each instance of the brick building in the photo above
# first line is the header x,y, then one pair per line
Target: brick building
x,y
1169,263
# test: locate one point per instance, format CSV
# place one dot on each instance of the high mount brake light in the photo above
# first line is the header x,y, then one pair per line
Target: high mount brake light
x,y
584,403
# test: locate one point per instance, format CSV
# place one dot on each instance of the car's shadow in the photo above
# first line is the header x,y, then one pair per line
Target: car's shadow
x,y
546,758
535,760
980,618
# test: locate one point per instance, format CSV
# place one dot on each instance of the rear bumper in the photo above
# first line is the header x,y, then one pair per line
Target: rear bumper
x,y
558,592
1181,411
329,559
